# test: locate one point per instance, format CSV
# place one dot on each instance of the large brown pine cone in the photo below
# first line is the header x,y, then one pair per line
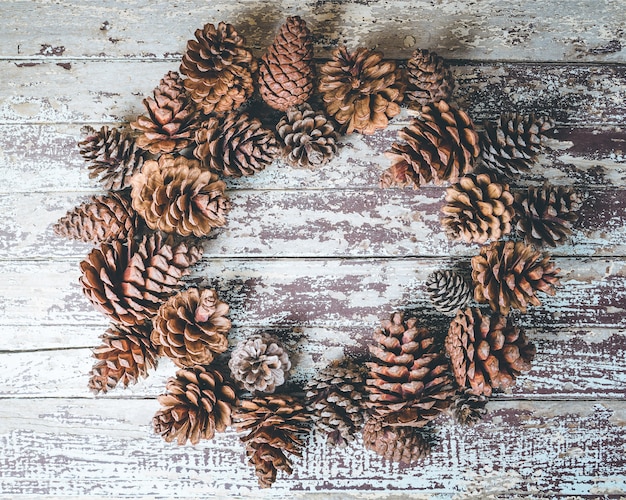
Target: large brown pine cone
x,y
171,120
448,291
477,209
486,352
129,281
360,90
198,403
406,445
219,69
469,408
286,70
439,145
429,79
508,275
175,195
191,327
274,425
409,378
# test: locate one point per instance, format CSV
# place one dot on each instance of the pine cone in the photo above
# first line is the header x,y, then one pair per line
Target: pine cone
x,y
545,215
309,138
103,218
129,281
409,382
191,327
125,356
468,408
477,209
448,290
274,424
406,445
235,145
198,403
429,79
171,119
486,352
260,364
219,69
361,91
112,155
286,71
510,145
174,195
508,275
335,400
440,145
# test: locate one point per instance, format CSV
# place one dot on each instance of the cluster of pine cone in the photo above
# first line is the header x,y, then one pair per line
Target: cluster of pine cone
x,y
231,115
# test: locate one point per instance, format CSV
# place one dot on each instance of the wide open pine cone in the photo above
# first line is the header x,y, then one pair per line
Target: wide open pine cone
x,y
171,120
545,215
129,281
274,425
429,79
448,291
486,352
198,403
308,136
191,327
219,69
360,90
477,209
406,445
469,408
235,145
286,70
440,145
126,355
409,380
508,275
103,218
175,195
112,156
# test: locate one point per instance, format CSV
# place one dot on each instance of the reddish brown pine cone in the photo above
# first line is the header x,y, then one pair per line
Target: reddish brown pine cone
x,y
406,445
429,79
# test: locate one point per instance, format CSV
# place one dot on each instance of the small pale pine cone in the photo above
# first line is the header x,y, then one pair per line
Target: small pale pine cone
x,y
429,79
448,291
406,445
469,408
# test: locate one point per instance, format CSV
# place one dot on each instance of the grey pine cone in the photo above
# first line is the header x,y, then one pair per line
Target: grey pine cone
x,y
448,290
468,408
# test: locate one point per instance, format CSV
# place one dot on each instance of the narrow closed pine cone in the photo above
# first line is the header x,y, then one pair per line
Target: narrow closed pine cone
x,y
112,155
545,215
260,364
129,281
429,79
308,136
171,120
486,352
219,69
175,195
439,145
286,70
478,209
448,290
100,219
468,408
508,275
274,425
406,445
198,403
361,90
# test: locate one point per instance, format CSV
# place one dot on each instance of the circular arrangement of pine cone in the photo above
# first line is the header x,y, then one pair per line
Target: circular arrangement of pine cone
x,y
448,291
429,79
395,443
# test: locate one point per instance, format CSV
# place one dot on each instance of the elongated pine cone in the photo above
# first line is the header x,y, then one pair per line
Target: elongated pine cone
x,y
235,145
469,408
335,397
260,364
409,378
508,275
406,445
129,281
112,155
486,352
191,327
360,90
125,356
478,209
429,79
103,218
274,425
175,195
439,145
198,403
308,136
545,215
286,70
171,119
448,291
219,69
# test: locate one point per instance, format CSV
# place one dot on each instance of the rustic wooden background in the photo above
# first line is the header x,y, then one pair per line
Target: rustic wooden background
x,y
319,257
